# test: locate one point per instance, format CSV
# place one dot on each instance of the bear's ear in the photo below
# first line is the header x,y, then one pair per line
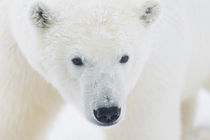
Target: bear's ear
x,y
41,16
149,12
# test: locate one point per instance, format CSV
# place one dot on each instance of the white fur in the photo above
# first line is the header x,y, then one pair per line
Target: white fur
x,y
169,61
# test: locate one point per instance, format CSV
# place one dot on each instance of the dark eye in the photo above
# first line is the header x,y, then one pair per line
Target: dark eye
x,y
77,61
124,59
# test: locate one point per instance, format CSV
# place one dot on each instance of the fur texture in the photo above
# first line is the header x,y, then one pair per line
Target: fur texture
x,y
167,42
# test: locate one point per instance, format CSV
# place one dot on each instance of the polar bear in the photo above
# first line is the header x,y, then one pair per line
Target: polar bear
x,y
103,56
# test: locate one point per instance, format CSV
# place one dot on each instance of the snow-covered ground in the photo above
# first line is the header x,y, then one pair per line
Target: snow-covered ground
x,y
70,125
203,114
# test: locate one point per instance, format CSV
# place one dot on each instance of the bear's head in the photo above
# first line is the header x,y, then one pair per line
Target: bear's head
x,y
91,51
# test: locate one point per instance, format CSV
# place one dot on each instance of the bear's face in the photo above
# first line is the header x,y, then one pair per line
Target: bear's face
x,y
93,53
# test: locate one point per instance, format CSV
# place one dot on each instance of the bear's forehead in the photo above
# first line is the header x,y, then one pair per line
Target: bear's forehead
x,y
95,10
99,20
95,21
91,37
97,13
97,26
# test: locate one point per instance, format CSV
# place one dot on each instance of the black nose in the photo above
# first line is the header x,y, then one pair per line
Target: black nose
x,y
107,115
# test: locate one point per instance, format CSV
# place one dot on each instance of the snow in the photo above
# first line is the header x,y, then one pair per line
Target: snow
x,y
71,125
203,114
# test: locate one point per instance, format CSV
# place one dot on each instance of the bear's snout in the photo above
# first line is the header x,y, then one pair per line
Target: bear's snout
x,y
107,116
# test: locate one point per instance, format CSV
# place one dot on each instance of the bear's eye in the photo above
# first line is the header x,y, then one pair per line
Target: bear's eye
x,y
124,59
77,61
